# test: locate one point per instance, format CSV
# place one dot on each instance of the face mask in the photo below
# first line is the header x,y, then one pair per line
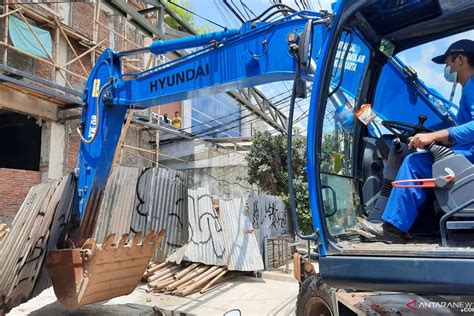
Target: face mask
x,y
450,76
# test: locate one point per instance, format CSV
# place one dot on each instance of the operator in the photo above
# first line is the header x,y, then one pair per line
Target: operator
x,y
403,204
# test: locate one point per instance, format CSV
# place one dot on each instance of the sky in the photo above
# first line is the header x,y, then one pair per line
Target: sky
x,y
418,58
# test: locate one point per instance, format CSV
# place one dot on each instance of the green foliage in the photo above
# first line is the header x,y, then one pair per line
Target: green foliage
x,y
267,163
183,14
327,155
186,17
267,168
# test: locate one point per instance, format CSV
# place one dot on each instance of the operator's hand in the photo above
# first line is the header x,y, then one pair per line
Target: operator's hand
x,y
421,140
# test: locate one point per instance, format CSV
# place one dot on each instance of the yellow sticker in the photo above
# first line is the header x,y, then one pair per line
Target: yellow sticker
x,y
95,89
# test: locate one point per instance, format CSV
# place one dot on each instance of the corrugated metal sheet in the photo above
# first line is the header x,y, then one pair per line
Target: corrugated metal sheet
x,y
139,199
162,204
35,229
269,217
242,249
206,240
118,203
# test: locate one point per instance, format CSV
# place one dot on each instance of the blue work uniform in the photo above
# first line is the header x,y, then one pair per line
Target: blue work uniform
x,y
403,204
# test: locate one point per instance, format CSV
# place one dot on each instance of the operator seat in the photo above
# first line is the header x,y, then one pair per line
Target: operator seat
x,y
454,189
453,184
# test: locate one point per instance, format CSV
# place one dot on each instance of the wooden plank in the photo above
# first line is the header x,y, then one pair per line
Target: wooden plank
x,y
206,288
199,283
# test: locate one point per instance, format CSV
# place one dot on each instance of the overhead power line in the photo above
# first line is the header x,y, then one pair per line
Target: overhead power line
x,y
194,13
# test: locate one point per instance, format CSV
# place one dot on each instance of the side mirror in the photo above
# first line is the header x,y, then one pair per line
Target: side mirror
x,y
305,46
334,201
234,312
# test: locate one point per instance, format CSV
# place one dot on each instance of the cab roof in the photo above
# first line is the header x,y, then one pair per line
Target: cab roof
x,y
409,23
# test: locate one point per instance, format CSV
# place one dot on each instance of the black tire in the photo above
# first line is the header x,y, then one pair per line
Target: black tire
x,y
315,298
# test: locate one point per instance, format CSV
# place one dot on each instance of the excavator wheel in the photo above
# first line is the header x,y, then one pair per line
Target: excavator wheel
x,y
315,298
95,272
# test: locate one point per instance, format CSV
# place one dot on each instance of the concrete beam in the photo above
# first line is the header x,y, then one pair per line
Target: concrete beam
x,y
19,101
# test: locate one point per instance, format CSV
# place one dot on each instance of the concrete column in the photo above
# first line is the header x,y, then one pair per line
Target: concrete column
x,y
44,153
64,10
246,127
186,112
57,149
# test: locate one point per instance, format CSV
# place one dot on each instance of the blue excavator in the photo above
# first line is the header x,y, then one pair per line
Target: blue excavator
x,y
365,104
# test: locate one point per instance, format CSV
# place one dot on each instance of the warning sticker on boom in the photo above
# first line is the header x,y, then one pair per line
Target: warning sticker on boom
x,y
95,89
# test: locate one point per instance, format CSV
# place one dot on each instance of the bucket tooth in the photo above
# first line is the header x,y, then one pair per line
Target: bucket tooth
x,y
149,236
122,241
95,272
136,239
108,241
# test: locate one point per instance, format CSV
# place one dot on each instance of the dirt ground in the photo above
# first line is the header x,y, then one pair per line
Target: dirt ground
x,y
252,296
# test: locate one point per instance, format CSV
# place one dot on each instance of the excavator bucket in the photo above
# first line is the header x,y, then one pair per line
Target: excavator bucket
x,y
97,272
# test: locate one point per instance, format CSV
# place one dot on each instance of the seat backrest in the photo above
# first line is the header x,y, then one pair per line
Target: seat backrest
x,y
460,191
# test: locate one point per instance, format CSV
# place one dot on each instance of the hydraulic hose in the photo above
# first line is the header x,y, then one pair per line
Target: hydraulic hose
x,y
289,161
97,108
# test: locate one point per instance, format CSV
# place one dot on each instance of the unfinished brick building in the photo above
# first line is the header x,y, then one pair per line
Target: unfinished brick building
x,y
46,53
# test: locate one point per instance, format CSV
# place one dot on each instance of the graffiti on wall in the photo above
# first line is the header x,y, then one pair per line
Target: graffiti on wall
x,y
268,216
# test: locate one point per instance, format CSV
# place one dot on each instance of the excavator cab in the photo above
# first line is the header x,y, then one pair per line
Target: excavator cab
x,y
365,106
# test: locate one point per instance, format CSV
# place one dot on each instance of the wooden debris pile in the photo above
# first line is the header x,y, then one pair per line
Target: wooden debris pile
x,y
182,279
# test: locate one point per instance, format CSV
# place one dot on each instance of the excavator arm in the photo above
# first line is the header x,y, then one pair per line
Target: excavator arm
x,y
255,54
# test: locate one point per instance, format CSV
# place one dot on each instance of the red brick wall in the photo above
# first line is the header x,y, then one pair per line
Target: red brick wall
x,y
44,70
104,33
83,18
76,67
14,186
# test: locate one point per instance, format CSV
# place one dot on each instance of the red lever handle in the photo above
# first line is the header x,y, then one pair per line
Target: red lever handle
x,y
423,183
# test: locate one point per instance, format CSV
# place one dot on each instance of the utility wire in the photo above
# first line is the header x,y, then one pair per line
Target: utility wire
x,y
276,103
229,13
221,13
234,12
247,8
244,10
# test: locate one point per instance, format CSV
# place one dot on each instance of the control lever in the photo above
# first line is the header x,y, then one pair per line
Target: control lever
x,y
421,121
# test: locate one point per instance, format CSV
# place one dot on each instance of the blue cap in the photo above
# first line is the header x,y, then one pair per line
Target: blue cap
x,y
463,46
